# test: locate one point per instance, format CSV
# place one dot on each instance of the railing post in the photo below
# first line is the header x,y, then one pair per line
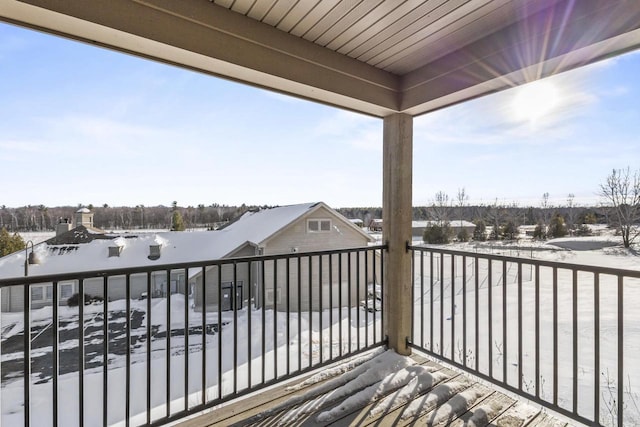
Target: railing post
x,y
397,214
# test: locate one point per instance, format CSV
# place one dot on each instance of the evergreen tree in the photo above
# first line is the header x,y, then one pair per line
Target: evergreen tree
x,y
10,244
557,227
436,234
510,231
480,232
540,231
177,224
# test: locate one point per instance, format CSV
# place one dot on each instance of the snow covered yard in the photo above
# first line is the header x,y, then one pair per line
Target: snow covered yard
x,y
505,319
277,342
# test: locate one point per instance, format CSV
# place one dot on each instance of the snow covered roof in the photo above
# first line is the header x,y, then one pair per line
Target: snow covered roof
x,y
176,247
83,210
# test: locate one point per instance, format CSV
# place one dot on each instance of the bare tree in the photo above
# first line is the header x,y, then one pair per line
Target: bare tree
x,y
621,191
463,198
571,215
440,207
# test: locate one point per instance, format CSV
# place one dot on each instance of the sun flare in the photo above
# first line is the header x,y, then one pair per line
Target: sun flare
x,y
535,101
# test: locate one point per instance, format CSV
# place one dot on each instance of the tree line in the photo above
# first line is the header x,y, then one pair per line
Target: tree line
x,y
45,218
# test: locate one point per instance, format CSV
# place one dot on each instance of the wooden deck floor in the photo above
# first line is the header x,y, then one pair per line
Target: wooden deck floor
x,y
449,399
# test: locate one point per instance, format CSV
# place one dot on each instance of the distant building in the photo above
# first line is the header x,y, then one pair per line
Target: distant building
x,y
286,229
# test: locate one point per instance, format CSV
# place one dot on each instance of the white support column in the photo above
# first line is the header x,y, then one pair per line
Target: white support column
x,y
397,215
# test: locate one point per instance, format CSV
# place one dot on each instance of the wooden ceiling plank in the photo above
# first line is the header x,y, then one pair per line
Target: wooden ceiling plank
x,y
404,37
387,19
456,27
313,17
243,6
381,41
353,19
469,28
330,18
260,9
278,12
296,14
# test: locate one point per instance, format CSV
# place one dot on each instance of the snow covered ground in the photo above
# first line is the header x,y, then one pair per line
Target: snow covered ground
x,y
305,341
495,347
306,345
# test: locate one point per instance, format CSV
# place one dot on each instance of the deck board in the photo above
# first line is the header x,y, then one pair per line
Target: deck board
x,y
451,399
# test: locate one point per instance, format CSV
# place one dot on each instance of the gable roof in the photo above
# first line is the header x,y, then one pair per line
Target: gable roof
x,y
82,250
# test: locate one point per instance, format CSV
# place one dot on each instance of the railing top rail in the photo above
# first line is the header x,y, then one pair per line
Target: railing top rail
x,y
530,261
58,277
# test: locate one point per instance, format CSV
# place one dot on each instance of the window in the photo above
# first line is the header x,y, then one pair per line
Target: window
x,y
41,293
66,290
319,225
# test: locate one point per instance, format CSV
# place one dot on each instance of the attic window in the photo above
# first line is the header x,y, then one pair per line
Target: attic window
x,y
115,251
319,225
154,252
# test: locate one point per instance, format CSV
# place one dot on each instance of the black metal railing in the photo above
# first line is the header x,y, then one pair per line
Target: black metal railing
x,y
565,336
149,345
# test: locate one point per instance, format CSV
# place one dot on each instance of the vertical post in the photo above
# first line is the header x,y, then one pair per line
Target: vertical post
x,y
397,214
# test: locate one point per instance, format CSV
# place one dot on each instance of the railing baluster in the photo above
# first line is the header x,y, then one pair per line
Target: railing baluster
x,y
127,402
81,352
105,352
263,329
382,288
321,340
310,265
249,315
520,326
148,333
203,366
464,310
340,303
27,355
421,297
596,347
55,335
331,308
537,328
453,307
504,323
555,335
298,259
349,298
431,300
275,321
477,313
620,351
168,349
288,345
358,299
366,299
234,307
442,305
413,304
574,295
186,338
490,316
219,271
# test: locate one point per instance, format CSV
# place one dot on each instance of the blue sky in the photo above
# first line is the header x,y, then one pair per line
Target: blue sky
x,y
85,125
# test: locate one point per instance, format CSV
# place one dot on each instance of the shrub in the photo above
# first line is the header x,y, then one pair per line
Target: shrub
x,y
583,230
463,235
540,232
510,230
480,232
557,227
74,299
437,234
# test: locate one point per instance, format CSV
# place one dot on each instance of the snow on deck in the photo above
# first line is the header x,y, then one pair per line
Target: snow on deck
x,y
380,388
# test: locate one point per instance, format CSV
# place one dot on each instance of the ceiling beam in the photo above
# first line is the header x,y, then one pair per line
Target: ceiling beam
x,y
200,35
